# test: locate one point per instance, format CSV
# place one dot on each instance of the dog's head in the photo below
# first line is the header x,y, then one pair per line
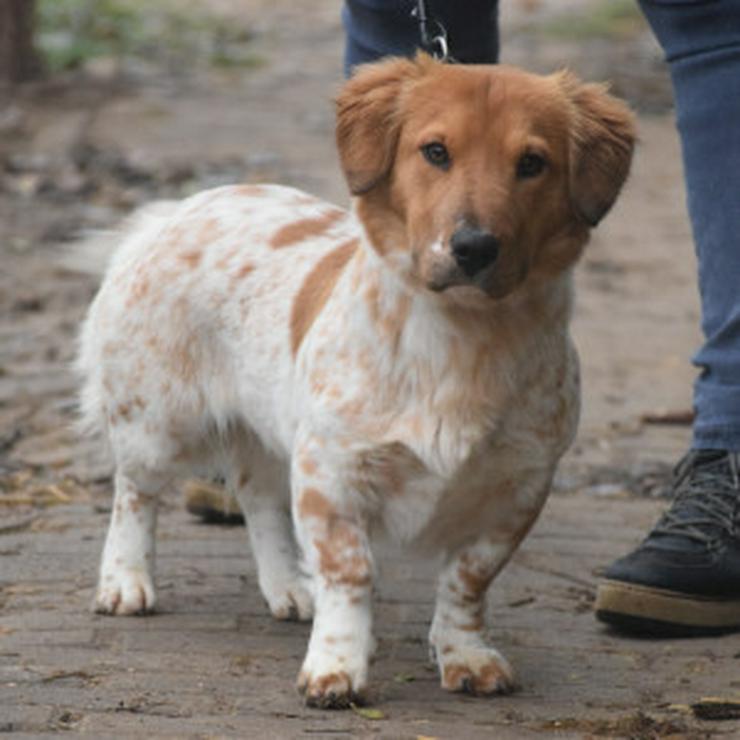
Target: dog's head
x,y
478,176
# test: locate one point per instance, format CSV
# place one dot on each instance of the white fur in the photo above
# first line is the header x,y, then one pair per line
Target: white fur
x,y
187,364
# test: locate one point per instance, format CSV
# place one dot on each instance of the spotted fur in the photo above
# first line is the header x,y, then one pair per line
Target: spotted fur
x,y
343,373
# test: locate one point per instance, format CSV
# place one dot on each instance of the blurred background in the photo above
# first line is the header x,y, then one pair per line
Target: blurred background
x,y
108,104
123,100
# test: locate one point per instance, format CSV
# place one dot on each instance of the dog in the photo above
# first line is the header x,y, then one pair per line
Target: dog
x,y
404,367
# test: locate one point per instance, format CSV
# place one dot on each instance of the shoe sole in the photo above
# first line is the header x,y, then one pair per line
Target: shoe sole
x,y
655,611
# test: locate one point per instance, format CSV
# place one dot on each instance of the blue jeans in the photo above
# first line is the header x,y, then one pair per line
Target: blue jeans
x,y
701,41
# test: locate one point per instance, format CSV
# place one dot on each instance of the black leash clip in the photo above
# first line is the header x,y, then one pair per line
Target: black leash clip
x,y
433,34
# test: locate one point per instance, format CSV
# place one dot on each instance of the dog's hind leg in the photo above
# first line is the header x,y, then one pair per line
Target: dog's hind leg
x,y
265,509
126,580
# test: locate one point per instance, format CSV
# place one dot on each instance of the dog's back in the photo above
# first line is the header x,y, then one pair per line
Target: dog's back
x,y
196,295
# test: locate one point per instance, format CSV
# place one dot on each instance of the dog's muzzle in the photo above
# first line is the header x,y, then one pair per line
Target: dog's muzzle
x,y
473,249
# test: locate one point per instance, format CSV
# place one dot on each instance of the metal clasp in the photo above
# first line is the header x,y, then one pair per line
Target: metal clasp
x,y
433,34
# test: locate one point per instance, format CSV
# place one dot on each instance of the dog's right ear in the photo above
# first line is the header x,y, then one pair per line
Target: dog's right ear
x,y
368,124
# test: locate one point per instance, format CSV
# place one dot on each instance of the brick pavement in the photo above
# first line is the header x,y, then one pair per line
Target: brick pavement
x,y
212,662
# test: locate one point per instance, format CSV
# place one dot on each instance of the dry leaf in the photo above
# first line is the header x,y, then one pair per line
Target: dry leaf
x,y
367,713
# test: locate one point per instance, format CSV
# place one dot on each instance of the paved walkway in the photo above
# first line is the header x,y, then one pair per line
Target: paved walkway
x,y
212,662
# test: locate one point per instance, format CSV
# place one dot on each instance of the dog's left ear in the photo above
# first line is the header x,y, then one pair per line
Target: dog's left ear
x,y
602,139
368,124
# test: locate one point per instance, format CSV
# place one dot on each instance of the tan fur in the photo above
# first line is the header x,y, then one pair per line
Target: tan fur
x,y
316,290
341,558
313,503
307,228
586,136
243,271
191,259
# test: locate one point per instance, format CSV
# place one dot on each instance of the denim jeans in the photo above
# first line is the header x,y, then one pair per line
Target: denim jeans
x,y
701,41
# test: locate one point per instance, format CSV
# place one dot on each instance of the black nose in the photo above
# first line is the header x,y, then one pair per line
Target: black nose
x,y
473,249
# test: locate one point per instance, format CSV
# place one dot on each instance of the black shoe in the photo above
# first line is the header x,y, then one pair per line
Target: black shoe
x,y
685,577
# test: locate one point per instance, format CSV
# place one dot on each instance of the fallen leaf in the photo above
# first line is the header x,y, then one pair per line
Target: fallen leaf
x,y
681,417
367,713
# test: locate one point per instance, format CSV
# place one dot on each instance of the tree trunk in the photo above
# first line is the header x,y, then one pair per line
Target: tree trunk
x,y
18,60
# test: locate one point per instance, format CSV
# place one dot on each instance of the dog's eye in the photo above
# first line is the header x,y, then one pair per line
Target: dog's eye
x,y
530,165
436,154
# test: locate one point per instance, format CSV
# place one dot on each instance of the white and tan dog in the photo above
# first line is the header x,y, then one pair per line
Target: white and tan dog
x,y
406,366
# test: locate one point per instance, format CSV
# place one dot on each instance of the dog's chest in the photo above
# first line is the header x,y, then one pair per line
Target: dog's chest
x,y
446,432
496,476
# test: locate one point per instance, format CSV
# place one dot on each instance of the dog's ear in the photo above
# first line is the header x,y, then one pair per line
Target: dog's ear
x,y
368,123
602,138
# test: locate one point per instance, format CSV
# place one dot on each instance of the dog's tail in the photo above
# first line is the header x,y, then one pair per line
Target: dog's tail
x,y
94,251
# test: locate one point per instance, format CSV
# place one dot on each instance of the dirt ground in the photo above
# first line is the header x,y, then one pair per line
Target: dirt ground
x,y
79,151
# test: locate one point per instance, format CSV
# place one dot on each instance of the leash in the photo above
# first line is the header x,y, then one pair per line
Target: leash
x,y
433,34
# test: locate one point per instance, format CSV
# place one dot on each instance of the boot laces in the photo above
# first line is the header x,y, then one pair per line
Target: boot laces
x,y
707,500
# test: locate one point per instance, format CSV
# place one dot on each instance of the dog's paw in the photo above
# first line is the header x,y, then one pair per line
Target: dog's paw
x,y
330,691
124,592
332,682
476,670
290,602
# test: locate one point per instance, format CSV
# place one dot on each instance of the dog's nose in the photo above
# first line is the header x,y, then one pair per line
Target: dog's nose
x,y
473,249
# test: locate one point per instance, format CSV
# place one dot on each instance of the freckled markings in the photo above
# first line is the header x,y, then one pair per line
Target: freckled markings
x,y
246,269
314,503
489,678
316,289
342,560
191,259
305,228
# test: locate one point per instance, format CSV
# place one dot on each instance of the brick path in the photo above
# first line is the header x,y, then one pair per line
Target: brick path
x,y
212,662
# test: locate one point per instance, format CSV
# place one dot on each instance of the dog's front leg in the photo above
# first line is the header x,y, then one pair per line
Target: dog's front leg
x,y
337,553
466,663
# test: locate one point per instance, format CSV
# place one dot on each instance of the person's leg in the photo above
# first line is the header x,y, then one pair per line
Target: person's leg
x,y
686,574
378,28
702,44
